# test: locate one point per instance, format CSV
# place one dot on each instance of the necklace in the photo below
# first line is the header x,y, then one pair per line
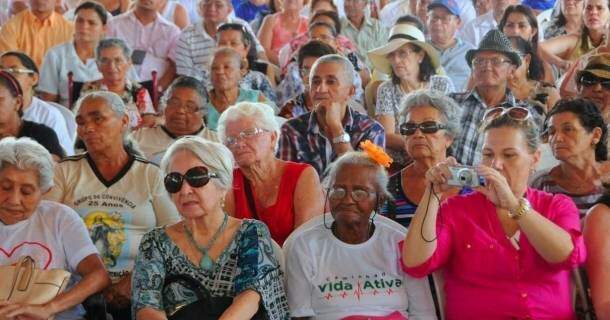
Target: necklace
x,y
206,262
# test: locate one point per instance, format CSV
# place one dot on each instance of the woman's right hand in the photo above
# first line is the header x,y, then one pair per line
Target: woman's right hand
x,y
439,174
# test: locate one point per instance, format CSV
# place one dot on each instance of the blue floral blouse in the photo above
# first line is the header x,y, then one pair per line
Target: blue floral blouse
x,y
248,262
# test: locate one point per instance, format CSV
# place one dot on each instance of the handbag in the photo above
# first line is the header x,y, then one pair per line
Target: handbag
x,y
25,283
206,307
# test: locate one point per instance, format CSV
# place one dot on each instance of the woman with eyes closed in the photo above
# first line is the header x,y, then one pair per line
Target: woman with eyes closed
x,y
430,122
577,135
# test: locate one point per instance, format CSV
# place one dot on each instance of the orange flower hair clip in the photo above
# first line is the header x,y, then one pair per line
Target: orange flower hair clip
x,y
376,153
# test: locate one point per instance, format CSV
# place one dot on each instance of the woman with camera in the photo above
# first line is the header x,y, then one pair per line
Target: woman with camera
x,y
506,250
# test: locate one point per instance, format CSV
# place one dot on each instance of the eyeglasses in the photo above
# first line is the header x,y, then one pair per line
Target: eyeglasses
x,y
356,194
515,113
496,62
590,80
402,53
409,128
115,61
246,134
187,107
196,177
15,71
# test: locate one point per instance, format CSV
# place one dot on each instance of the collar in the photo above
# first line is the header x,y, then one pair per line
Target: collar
x,y
348,121
458,43
175,137
508,97
50,21
131,15
368,22
199,29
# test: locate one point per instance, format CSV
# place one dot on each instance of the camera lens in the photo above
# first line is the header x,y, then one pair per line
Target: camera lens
x,y
465,177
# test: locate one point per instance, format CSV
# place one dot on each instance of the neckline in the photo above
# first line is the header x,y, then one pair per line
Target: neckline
x,y
117,177
338,241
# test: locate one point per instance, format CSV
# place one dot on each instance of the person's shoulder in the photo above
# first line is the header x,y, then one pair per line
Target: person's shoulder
x,y
298,123
389,227
166,24
75,158
307,231
540,178
60,50
37,130
58,211
145,132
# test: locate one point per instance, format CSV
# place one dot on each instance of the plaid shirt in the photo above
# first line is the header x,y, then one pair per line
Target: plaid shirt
x,y
468,144
302,141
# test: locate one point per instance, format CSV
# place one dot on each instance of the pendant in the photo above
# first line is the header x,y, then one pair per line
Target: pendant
x,y
206,263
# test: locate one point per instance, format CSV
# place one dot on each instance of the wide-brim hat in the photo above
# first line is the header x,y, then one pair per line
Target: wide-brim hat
x,y
597,65
400,35
495,41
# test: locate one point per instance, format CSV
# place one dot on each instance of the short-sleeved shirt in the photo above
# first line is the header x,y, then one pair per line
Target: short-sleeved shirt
x,y
212,115
453,61
328,279
154,141
248,262
473,31
25,32
157,39
302,141
42,112
43,135
117,212
57,63
55,237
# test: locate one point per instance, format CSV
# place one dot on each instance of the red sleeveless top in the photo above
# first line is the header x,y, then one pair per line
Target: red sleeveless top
x,y
278,217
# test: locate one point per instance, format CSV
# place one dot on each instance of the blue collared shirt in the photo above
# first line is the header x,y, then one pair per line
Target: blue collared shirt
x,y
453,61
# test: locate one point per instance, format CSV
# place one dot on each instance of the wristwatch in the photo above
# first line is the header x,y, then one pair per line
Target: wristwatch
x,y
523,208
342,138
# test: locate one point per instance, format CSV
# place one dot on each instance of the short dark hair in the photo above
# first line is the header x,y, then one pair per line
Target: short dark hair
x,y
332,29
411,19
330,14
589,116
25,60
189,83
426,69
95,6
536,67
246,38
315,49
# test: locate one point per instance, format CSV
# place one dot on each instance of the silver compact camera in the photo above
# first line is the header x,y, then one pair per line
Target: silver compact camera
x,y
464,176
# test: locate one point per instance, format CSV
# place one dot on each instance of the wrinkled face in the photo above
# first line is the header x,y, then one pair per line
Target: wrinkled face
x,y
599,94
215,11
20,194
42,6
491,68
88,26
9,116
354,9
483,6
596,14
225,72
422,145
352,178
183,112
505,149
569,139
329,84
572,7
517,25
442,25
113,64
249,147
99,126
233,39
27,78
306,69
405,61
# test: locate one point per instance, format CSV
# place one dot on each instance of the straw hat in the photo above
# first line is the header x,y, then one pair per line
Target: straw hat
x,y
400,35
597,65
495,40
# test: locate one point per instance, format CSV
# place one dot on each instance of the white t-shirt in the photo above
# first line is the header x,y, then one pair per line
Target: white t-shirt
x,y
55,236
329,279
155,141
57,63
44,113
117,213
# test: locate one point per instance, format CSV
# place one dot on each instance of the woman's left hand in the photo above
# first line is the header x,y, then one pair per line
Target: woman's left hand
x,y
24,311
496,188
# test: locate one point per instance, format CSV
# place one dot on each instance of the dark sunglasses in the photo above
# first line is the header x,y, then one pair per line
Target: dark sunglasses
x,y
409,128
196,177
588,80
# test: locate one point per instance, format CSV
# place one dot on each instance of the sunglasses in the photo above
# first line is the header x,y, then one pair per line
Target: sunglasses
x,y
409,128
515,113
589,81
196,177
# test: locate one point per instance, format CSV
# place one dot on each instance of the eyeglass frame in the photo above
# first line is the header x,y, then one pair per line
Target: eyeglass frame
x,y
14,71
184,177
438,126
231,141
351,193
494,62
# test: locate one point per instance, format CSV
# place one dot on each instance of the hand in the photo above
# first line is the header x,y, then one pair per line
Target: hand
x,y
25,311
332,116
440,174
496,189
118,295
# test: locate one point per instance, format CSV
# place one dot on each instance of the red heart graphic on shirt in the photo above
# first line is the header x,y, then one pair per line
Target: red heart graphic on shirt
x,y
41,253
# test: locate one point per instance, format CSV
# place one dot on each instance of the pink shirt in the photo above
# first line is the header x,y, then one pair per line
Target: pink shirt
x,y
486,277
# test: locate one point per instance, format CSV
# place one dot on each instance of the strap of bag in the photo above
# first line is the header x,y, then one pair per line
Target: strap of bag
x,y
250,198
25,267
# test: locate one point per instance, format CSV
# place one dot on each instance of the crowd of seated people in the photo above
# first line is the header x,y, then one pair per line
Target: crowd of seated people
x,y
324,159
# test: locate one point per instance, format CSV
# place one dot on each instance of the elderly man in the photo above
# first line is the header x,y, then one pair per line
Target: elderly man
x,y
152,39
195,47
443,22
36,30
475,29
594,82
492,64
365,32
332,128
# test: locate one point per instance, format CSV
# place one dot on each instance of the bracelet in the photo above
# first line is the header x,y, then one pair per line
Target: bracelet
x,y
523,208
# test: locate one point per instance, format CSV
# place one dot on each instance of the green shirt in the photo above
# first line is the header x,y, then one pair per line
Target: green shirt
x,y
371,35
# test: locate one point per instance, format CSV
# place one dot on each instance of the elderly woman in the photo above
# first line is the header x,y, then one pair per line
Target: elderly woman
x,y
23,68
282,194
411,64
505,250
118,194
227,70
346,264
597,240
279,28
232,259
77,56
113,57
12,124
182,106
430,122
49,232
577,135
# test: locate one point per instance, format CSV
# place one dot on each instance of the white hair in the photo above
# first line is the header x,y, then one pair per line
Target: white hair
x,y
347,68
215,156
263,115
359,158
25,153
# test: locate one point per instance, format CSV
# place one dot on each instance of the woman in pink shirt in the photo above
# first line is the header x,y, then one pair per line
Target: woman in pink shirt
x,y
506,250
